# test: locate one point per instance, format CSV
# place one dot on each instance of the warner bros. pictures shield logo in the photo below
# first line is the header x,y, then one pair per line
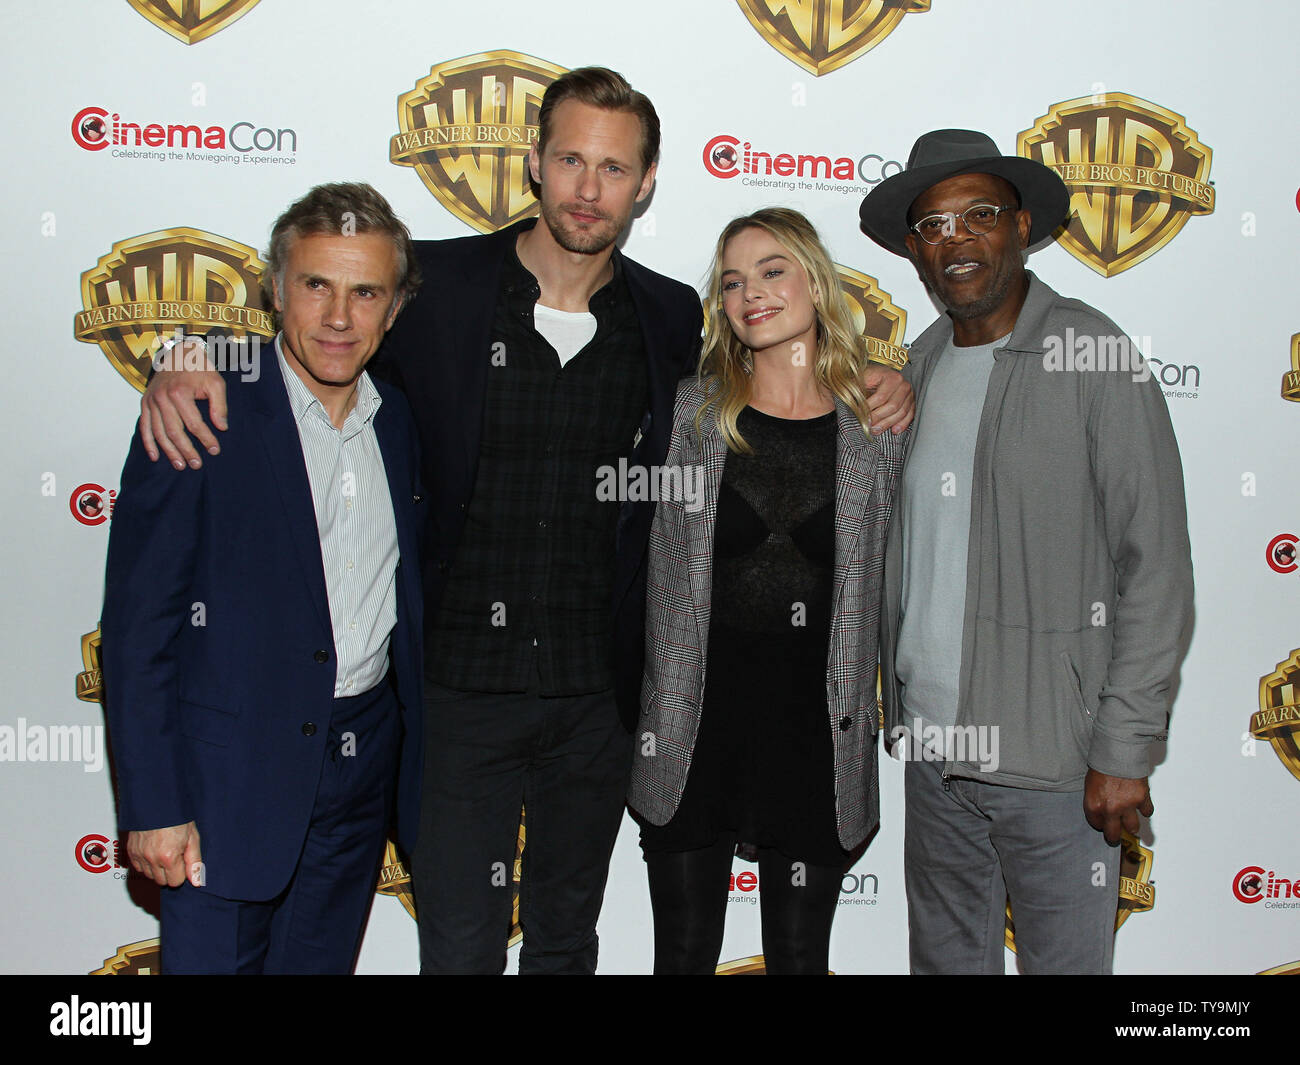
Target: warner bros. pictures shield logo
x,y
1135,170
876,319
191,21
467,127
1136,892
824,35
142,958
1291,379
145,288
90,682
1278,718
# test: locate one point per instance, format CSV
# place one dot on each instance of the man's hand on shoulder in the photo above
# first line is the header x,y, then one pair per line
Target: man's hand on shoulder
x,y
892,402
168,408
1112,804
167,855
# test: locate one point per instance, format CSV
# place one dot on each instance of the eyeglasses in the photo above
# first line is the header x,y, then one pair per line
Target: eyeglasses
x,y
980,219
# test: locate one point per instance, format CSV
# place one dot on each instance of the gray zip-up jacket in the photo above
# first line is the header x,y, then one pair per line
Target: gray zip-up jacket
x,y
1079,573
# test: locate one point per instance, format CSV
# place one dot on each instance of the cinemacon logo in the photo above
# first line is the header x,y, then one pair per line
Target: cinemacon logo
x,y
726,156
94,129
98,854
1253,884
1281,553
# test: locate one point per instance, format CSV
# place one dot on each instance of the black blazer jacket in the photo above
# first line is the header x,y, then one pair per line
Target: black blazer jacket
x,y
439,351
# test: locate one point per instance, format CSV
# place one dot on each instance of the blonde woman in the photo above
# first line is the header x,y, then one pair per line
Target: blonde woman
x,y
767,583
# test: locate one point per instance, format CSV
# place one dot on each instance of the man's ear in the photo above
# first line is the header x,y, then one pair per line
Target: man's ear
x,y
398,303
1024,223
276,298
535,164
647,181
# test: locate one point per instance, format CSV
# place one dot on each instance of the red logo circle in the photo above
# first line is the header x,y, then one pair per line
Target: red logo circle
x,y
1281,553
1248,884
95,853
89,504
721,159
90,129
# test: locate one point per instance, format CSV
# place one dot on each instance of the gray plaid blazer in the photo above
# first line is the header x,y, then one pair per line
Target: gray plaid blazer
x,y
679,581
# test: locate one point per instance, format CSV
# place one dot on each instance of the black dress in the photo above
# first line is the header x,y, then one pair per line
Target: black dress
x,y
763,766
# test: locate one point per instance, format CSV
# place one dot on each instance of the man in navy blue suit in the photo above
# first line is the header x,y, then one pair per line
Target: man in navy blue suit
x,y
262,621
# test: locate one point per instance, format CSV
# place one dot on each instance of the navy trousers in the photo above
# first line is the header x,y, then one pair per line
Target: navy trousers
x,y
315,924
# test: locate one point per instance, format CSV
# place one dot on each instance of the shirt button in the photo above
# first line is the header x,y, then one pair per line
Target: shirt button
x,y
349,564
309,729
542,524
321,656
353,625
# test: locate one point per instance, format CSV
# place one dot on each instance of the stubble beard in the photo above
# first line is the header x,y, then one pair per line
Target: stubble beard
x,y
581,242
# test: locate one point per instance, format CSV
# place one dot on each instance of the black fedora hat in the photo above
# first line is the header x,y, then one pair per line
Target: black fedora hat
x,y
944,153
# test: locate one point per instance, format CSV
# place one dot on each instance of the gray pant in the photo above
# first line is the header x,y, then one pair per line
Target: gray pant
x,y
970,846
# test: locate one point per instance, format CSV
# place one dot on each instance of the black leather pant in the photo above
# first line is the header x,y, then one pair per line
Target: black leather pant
x,y
688,893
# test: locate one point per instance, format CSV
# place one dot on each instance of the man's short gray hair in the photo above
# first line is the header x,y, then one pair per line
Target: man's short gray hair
x,y
344,207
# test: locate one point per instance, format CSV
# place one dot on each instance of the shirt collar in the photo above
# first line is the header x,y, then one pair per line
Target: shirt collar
x,y
302,402
519,282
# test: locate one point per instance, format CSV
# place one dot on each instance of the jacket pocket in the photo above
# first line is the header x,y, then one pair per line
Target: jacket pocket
x,y
207,723
1081,718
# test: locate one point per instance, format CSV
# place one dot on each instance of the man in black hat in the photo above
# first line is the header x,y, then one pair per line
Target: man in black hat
x,y
1044,480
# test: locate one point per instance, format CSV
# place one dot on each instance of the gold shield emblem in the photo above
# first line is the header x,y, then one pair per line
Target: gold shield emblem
x,y
824,35
395,880
1135,170
147,287
90,682
142,958
751,966
1291,379
191,21
875,318
1278,717
1136,892
467,127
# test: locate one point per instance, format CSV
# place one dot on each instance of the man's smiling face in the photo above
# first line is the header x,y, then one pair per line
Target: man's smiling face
x,y
979,279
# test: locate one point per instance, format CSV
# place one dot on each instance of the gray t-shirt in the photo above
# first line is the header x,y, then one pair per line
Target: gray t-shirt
x,y
935,497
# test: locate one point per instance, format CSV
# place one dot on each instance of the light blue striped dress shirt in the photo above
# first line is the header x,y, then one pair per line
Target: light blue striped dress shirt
x,y
358,534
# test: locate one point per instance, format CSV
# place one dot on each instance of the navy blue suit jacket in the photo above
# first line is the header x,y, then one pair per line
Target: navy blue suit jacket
x,y
439,351
218,651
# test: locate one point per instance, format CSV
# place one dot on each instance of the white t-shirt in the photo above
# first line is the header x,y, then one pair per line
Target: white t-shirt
x,y
568,332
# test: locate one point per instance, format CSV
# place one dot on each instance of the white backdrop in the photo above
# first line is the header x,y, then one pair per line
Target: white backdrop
x,y
1216,303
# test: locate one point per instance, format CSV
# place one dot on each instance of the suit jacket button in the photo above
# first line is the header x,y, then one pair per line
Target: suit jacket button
x,y
442,566
846,723
321,656
309,729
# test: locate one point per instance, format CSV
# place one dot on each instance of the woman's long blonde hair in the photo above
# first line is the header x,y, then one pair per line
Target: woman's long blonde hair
x,y
726,364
